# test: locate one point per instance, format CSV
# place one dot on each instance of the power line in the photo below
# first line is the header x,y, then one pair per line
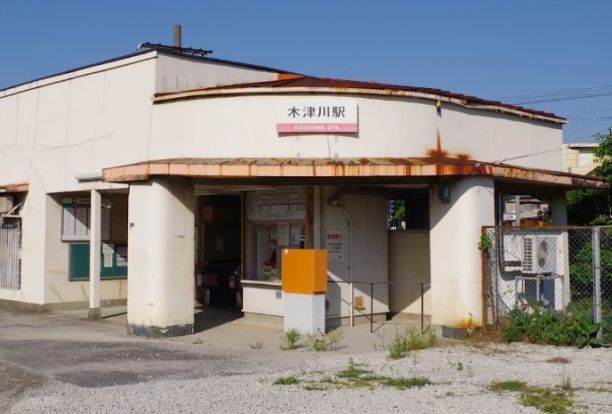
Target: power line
x,y
526,155
591,111
560,95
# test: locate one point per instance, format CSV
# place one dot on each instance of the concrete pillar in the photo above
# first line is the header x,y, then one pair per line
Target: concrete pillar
x,y
95,239
456,268
304,312
161,257
558,209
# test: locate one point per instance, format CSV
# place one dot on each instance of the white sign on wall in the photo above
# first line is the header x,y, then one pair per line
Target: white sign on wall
x,y
317,115
334,243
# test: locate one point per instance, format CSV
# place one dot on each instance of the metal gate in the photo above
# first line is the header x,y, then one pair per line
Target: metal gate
x,y
10,247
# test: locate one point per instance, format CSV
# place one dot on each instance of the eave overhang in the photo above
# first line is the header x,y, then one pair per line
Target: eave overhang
x,y
325,168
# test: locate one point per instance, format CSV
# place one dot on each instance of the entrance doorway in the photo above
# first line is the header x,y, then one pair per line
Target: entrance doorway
x,y
409,268
219,251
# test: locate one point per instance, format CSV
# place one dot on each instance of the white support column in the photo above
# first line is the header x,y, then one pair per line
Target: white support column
x,y
161,257
95,239
558,209
456,267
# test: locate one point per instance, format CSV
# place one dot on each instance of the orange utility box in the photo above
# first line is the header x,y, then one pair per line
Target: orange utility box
x,y
304,271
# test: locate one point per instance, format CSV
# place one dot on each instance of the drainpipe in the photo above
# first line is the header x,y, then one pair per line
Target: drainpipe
x,y
334,202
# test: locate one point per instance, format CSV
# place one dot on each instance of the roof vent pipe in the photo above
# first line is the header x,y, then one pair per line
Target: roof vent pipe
x,y
177,36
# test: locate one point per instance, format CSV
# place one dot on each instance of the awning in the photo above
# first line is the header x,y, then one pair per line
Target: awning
x,y
246,168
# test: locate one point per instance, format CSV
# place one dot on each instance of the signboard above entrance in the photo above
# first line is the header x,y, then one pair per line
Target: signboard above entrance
x,y
314,115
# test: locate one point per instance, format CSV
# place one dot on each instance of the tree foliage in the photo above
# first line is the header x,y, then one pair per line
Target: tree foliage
x,y
594,206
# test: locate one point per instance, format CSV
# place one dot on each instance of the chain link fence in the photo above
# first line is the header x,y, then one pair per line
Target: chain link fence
x,y
561,268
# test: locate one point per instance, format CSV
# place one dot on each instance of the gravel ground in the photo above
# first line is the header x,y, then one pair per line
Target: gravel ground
x,y
97,368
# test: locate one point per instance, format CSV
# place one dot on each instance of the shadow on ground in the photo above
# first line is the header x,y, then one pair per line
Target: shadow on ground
x,y
206,318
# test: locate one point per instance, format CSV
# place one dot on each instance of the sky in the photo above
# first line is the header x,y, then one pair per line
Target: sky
x,y
490,49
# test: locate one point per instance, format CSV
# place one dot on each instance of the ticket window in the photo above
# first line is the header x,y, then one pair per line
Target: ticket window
x,y
267,242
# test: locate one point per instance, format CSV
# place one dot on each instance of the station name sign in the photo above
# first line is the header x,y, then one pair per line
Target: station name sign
x,y
312,116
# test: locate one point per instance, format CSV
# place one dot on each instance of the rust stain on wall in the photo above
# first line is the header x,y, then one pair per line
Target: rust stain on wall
x,y
437,152
440,152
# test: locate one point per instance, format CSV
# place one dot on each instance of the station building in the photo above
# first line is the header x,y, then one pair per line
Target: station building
x,y
168,175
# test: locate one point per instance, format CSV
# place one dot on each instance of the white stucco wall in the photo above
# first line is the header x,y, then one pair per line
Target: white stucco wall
x,y
245,126
77,123
51,132
180,74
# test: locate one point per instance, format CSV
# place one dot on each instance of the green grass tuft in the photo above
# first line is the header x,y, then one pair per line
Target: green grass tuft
x,y
547,400
290,340
403,383
511,385
325,342
410,340
355,376
288,380
353,370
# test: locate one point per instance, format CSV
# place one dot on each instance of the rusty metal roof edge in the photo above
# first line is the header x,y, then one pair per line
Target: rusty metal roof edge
x,y
444,166
279,87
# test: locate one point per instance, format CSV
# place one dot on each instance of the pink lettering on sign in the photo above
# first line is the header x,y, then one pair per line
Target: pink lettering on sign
x,y
312,127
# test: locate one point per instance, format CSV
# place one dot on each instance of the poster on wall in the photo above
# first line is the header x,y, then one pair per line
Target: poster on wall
x,y
281,204
283,234
295,234
334,242
121,252
108,250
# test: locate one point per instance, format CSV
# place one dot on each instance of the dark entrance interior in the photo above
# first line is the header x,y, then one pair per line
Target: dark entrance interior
x,y
219,251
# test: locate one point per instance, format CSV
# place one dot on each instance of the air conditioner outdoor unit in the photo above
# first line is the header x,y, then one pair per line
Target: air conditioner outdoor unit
x,y
6,203
539,254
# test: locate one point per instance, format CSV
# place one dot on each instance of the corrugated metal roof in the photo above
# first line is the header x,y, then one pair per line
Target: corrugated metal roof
x,y
341,168
338,84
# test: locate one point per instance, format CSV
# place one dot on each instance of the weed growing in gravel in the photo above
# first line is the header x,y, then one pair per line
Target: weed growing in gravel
x,y
558,360
404,383
256,345
325,342
457,365
354,376
511,385
566,384
353,370
198,341
409,340
288,380
316,386
547,400
290,339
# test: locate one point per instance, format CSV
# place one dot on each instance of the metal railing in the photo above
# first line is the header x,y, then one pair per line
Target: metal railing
x,y
352,284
